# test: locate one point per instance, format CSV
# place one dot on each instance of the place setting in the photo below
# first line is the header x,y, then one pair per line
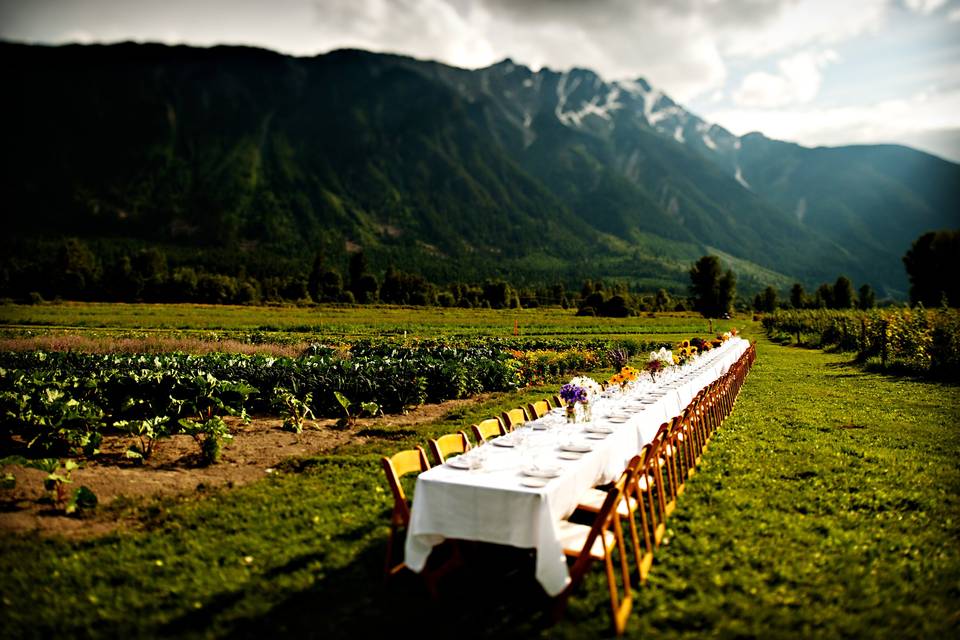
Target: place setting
x,y
470,460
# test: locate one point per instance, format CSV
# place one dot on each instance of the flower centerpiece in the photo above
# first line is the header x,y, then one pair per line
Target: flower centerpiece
x,y
626,375
578,393
572,394
684,353
658,361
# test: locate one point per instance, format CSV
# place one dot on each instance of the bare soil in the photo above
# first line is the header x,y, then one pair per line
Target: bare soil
x,y
175,469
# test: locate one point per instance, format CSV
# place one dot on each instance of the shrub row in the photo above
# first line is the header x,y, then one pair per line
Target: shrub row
x,y
920,341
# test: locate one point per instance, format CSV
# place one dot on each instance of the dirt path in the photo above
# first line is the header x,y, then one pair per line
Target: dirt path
x,y
174,468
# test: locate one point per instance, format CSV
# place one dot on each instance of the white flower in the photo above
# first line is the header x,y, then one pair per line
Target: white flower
x,y
663,355
589,385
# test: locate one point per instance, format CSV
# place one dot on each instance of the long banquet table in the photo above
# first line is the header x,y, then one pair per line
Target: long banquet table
x,y
490,502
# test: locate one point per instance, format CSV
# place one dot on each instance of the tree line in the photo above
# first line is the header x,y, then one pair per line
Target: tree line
x,y
76,272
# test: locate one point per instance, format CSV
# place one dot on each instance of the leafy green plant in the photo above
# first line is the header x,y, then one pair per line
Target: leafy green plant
x,y
209,398
55,483
349,419
210,435
148,432
293,410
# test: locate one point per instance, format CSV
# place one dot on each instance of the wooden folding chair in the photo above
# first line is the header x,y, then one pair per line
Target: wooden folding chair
x,y
487,429
586,544
630,508
513,418
538,409
447,444
664,476
395,467
652,492
556,402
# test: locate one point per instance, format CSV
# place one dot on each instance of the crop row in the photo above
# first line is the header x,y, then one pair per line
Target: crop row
x,y
64,401
919,340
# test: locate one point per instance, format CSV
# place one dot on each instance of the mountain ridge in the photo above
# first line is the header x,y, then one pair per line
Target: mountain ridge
x,y
459,174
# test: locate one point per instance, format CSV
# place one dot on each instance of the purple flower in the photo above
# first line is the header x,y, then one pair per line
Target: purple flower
x,y
573,394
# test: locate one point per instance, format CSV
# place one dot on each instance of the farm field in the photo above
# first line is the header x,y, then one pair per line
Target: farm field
x,y
335,321
799,522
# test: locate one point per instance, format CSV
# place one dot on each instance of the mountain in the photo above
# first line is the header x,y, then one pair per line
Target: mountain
x,y
239,158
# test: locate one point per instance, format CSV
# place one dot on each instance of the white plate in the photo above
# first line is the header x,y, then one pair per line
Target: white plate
x,y
618,419
500,442
651,401
542,472
576,447
458,463
569,455
598,429
597,436
534,482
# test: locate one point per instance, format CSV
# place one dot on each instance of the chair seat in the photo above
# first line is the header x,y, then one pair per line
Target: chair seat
x,y
573,536
592,500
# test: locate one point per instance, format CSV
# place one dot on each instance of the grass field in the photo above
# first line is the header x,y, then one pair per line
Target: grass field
x,y
346,321
828,505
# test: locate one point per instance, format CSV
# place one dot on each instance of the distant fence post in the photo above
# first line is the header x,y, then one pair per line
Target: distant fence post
x,y
883,343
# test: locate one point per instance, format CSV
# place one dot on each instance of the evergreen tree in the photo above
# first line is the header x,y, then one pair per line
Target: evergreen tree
x,y
315,281
726,293
713,290
823,299
766,300
933,263
331,286
662,302
868,300
843,296
798,297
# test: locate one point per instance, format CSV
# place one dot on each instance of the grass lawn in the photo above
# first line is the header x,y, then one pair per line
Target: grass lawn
x,y
827,505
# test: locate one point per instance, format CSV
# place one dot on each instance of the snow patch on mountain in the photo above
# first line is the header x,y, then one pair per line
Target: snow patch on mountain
x,y
740,178
575,117
801,210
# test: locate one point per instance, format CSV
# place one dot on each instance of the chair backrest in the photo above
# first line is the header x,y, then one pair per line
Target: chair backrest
x,y
632,473
605,519
538,409
556,401
513,418
447,444
397,466
489,428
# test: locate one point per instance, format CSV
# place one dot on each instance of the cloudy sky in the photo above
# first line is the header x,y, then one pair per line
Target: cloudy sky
x,y
819,72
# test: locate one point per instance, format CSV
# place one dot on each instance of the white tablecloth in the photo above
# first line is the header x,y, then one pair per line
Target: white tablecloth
x,y
490,504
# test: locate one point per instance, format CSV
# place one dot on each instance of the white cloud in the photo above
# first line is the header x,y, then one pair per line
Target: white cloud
x,y
79,36
801,24
422,28
925,7
954,15
798,81
898,120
